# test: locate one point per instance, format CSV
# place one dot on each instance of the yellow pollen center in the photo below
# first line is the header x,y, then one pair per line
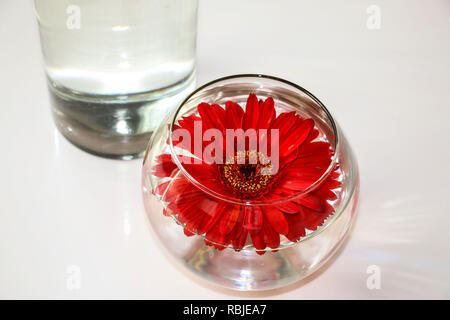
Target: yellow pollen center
x,y
246,174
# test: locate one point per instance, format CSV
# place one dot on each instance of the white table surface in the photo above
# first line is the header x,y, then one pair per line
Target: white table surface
x,y
388,88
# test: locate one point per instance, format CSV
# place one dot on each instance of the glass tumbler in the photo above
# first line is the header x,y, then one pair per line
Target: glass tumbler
x,y
250,183
116,67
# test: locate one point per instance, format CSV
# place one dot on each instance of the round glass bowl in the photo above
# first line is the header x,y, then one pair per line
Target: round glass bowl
x,y
250,183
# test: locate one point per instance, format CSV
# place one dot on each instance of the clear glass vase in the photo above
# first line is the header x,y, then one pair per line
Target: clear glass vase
x,y
250,216
115,68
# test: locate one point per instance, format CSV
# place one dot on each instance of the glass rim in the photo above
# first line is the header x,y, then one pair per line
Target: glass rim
x,y
250,202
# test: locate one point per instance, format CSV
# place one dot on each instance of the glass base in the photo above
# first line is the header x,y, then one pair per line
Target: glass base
x,y
117,127
246,270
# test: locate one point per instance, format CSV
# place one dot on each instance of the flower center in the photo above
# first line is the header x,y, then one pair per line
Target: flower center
x,y
246,174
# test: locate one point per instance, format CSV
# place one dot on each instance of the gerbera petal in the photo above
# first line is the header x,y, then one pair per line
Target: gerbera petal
x,y
296,185
315,150
240,233
217,239
326,194
312,135
187,214
230,217
212,115
251,112
318,162
254,219
239,242
266,113
174,188
271,237
258,240
312,219
276,219
201,171
310,201
296,137
285,206
213,217
331,184
207,209
284,122
161,188
288,207
194,223
304,174
164,167
296,227
191,195
233,115
187,123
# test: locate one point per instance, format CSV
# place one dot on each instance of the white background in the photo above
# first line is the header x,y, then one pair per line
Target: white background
x,y
388,88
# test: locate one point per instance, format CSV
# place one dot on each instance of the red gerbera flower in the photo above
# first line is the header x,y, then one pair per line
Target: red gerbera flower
x,y
247,198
